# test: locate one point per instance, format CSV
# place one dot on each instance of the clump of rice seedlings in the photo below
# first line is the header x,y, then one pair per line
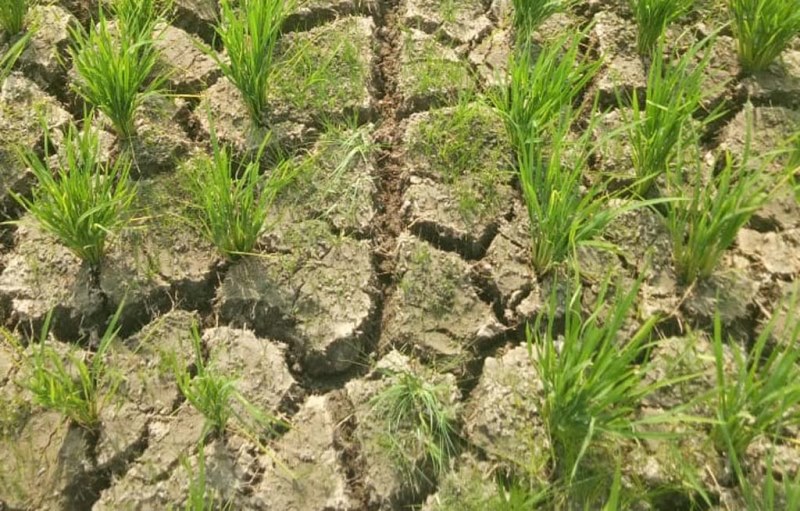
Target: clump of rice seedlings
x,y
763,29
652,19
421,423
563,213
675,91
763,393
249,31
233,199
85,201
116,67
215,396
541,86
592,377
706,216
529,14
201,498
12,15
137,17
74,387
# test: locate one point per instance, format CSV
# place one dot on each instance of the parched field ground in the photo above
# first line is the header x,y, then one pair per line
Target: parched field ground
x,y
402,247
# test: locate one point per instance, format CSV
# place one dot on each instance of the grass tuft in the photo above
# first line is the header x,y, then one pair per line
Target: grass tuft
x,y
652,19
233,200
74,387
421,423
675,92
116,66
249,31
763,29
85,201
12,15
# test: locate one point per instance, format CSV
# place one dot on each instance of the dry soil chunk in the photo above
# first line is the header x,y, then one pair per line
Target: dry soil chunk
x,y
436,311
315,12
623,71
771,127
780,84
322,305
502,416
777,252
459,186
490,57
190,70
46,464
316,480
326,73
460,22
197,17
257,366
43,58
222,104
430,73
22,107
337,183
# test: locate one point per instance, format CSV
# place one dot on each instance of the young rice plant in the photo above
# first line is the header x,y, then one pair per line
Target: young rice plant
x,y
85,201
675,91
9,58
763,393
763,29
706,217
529,14
652,19
593,378
116,67
234,200
249,31
75,387
12,15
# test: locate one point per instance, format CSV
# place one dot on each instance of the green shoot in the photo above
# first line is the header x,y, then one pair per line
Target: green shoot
x,y
763,393
421,422
201,498
76,388
137,17
653,17
9,58
209,392
85,201
763,28
12,15
675,91
116,68
249,32
540,89
705,224
233,200
593,379
529,14
216,397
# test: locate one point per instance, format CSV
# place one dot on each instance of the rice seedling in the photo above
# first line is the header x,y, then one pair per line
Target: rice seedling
x,y
116,67
233,200
763,29
540,87
202,498
137,18
763,393
652,19
421,423
75,387
249,31
216,397
529,14
592,378
85,201
675,92
704,223
12,15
